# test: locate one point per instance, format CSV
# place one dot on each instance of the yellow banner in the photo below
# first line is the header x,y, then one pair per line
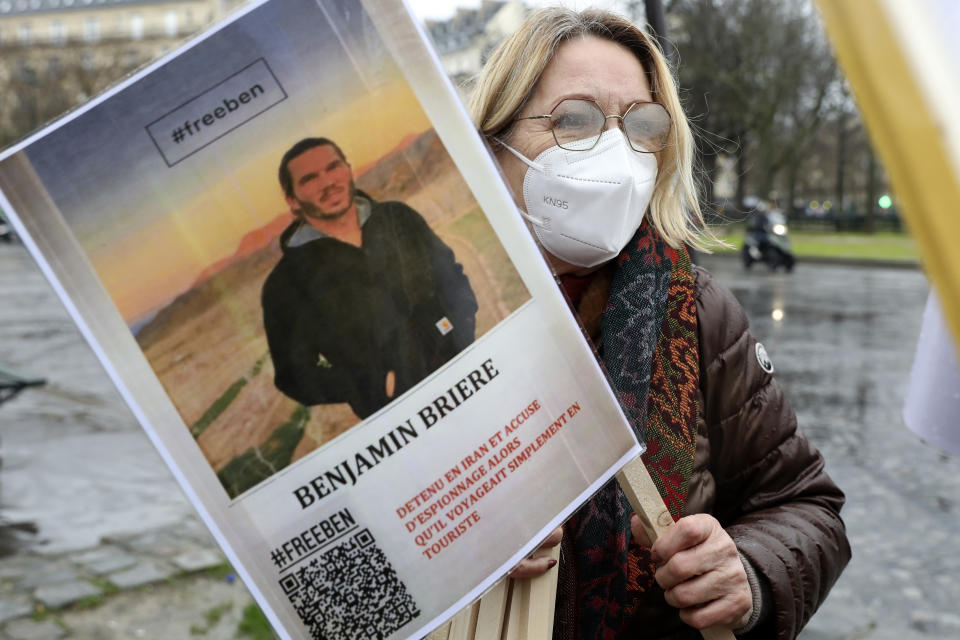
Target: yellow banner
x,y
905,80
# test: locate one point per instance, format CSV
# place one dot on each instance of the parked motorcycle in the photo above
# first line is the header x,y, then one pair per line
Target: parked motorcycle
x,y
766,241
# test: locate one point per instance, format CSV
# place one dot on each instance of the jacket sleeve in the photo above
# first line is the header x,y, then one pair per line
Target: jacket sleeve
x,y
772,494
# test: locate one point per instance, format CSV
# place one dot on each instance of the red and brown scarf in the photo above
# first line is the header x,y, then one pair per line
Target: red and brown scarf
x,y
649,347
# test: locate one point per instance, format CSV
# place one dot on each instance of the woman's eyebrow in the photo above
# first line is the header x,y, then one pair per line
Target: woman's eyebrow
x,y
573,96
588,97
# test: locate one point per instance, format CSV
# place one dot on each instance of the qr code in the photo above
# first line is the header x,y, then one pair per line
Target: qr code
x,y
350,591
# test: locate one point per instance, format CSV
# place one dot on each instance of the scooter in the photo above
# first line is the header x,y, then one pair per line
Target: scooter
x,y
766,241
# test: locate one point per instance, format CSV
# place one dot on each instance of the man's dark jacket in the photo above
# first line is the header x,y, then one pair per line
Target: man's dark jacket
x,y
338,318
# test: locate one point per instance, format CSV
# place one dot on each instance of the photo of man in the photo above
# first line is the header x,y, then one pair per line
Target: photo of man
x,y
277,320
366,300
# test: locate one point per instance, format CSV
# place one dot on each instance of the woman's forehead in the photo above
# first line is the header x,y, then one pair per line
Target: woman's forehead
x,y
596,68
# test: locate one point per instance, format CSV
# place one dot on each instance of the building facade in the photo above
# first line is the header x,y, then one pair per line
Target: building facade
x,y
464,42
56,54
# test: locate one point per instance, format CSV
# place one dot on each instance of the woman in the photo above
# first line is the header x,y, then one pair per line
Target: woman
x,y
584,119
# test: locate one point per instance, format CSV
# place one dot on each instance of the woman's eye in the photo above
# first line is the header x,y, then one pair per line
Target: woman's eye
x,y
570,120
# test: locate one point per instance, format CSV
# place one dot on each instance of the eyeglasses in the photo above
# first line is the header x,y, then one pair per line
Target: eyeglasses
x,y
578,123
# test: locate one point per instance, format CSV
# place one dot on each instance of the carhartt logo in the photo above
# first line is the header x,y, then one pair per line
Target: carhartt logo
x,y
765,362
444,326
555,202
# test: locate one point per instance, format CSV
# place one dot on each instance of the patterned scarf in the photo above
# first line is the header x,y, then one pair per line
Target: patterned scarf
x,y
649,330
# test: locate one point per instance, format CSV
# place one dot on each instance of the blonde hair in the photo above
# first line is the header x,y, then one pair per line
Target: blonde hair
x,y
509,77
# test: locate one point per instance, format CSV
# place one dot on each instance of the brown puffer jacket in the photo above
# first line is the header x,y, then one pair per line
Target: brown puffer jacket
x,y
757,474
753,471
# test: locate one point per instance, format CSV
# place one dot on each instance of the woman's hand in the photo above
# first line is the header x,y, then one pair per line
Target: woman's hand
x,y
531,566
700,570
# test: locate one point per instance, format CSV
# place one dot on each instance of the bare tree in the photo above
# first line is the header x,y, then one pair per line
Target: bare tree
x,y
38,85
756,77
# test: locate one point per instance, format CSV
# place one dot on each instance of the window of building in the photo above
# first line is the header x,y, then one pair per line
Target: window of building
x,y
170,23
91,29
136,26
58,32
25,33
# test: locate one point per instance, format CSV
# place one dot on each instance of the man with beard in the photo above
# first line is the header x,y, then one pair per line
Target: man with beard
x,y
366,300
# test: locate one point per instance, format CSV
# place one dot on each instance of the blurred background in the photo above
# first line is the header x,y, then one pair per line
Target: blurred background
x,y
98,541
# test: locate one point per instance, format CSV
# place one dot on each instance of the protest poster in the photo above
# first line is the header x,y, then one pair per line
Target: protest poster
x,y
296,260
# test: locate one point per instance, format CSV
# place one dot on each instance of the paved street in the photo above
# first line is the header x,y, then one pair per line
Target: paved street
x,y
108,515
77,467
75,462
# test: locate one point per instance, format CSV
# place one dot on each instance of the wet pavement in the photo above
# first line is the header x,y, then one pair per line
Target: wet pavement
x,y
87,507
75,462
77,467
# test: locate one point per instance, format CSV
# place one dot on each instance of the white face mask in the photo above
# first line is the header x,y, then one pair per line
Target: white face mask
x,y
586,205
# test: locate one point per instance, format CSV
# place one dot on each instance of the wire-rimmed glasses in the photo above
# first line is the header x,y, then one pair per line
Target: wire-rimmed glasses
x,y
578,123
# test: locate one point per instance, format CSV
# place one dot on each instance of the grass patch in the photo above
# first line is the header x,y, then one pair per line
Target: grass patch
x,y
220,572
254,624
857,246
473,228
218,407
211,617
89,602
108,587
259,463
258,365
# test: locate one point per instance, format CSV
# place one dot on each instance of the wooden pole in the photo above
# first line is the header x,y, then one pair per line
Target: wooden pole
x,y
493,611
464,624
646,501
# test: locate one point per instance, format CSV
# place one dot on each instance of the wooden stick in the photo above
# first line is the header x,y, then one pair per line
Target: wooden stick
x,y
464,624
646,501
532,600
542,598
492,611
440,633
518,610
